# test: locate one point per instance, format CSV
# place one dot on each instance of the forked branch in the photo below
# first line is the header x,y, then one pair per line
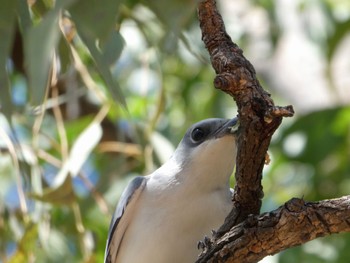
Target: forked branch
x,y
294,223
247,235
258,115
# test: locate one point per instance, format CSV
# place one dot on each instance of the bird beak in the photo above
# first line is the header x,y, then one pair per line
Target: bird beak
x,y
233,125
229,127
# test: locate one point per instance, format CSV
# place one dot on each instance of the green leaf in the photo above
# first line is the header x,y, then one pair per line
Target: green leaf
x,y
323,133
112,48
40,45
7,30
25,20
79,153
64,55
26,245
95,18
176,15
62,194
77,127
39,49
103,69
95,21
83,147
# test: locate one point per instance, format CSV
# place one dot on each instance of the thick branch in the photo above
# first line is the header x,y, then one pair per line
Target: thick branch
x,y
247,236
258,115
292,224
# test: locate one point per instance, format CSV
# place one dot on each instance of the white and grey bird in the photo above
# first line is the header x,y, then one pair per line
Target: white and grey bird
x,y
161,217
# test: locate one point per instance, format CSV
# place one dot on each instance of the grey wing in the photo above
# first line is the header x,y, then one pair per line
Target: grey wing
x,y
118,224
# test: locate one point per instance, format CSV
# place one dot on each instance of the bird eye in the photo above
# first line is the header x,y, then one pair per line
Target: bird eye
x,y
197,134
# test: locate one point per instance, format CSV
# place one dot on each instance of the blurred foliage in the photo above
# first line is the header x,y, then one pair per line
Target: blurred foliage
x,y
95,92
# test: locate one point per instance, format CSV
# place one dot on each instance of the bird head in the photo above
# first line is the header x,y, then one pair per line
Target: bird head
x,y
208,149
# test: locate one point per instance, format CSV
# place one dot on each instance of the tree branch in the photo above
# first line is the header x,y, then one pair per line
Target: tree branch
x,y
294,223
247,236
258,115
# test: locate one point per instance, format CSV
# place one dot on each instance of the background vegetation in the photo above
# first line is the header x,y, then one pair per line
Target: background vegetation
x,y
96,92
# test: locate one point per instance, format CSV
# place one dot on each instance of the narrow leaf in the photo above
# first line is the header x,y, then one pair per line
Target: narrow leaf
x,y
80,152
85,13
7,29
39,49
62,194
40,44
104,70
96,18
112,48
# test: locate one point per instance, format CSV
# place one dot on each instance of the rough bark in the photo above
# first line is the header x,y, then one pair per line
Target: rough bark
x,y
258,115
247,236
294,223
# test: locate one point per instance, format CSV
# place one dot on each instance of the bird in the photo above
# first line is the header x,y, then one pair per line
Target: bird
x,y
161,217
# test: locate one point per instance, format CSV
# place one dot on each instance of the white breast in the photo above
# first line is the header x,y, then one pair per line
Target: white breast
x,y
169,221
